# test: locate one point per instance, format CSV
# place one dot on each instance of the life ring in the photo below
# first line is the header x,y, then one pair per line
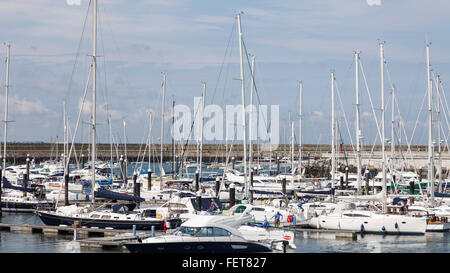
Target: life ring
x,y
287,237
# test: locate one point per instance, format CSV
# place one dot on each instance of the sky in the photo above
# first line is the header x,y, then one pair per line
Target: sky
x,y
195,41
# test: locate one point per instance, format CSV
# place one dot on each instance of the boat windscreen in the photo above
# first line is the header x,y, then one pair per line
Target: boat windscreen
x,y
206,203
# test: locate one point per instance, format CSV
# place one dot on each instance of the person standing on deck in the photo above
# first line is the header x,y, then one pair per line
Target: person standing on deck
x,y
277,217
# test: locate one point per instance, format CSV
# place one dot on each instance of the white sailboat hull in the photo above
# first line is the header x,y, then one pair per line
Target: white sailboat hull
x,y
371,223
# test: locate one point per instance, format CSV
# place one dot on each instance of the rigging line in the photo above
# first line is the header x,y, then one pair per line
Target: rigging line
x,y
140,149
1,81
401,122
105,93
231,37
345,116
79,116
74,66
187,139
408,142
149,140
116,48
441,127
147,133
227,160
227,71
402,155
371,154
342,143
70,136
445,100
418,116
226,76
254,85
78,52
370,99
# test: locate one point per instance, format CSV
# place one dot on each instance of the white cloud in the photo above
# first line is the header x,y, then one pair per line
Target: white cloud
x,y
73,2
374,2
23,106
214,19
100,110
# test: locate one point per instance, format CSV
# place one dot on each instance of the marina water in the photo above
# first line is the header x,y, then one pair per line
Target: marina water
x,y
306,242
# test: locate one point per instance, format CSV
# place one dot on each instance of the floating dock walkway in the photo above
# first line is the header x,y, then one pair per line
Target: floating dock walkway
x,y
65,230
339,234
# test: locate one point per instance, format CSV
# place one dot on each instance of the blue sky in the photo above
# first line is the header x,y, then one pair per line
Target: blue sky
x,y
189,40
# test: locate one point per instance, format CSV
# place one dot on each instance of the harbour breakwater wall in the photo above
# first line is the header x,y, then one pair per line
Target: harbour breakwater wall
x,y
415,158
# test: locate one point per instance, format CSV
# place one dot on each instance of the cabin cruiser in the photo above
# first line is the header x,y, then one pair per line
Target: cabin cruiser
x,y
203,234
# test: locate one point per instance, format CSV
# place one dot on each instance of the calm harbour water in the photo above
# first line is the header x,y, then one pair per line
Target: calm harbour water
x,y
306,242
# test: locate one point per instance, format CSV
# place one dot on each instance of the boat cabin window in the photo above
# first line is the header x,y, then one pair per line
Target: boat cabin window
x,y
355,215
95,216
258,209
187,231
106,216
240,209
206,203
202,232
174,205
212,231
149,213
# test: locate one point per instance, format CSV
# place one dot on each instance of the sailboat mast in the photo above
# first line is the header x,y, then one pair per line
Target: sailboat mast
x,y
8,53
438,91
111,147
125,160
199,166
392,132
430,128
383,152
300,128
173,140
65,137
333,133
150,144
94,96
243,105
162,129
292,153
358,130
250,162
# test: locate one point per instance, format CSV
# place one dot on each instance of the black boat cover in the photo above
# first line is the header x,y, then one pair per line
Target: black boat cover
x,y
318,192
104,193
265,192
129,207
440,194
8,185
